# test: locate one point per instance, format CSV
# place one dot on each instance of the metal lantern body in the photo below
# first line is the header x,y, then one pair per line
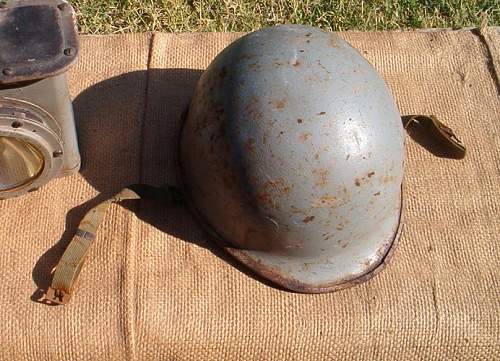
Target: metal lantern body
x,y
292,156
37,130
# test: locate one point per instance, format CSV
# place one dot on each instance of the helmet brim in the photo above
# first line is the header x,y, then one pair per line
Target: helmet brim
x,y
280,273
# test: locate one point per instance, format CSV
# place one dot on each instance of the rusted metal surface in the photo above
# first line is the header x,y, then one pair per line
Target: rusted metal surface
x,y
38,39
292,156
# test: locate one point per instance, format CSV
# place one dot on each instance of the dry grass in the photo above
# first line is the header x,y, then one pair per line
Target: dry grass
x,y
118,16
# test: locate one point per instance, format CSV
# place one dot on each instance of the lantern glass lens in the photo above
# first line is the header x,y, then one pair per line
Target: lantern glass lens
x,y
20,163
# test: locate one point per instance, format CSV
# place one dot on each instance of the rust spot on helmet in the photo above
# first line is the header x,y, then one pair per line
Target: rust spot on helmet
x,y
276,187
342,243
299,120
321,177
308,219
280,104
323,67
326,201
387,178
252,108
321,113
264,197
304,137
367,262
363,180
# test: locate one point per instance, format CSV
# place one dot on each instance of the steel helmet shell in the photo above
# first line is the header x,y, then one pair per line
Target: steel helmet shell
x,y
292,155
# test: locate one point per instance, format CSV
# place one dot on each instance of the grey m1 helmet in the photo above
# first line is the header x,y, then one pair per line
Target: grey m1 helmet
x,y
292,156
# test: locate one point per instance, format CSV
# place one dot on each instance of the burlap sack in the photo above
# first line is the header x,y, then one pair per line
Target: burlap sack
x,y
155,287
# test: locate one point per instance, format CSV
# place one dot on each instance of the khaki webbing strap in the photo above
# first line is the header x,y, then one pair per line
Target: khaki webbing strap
x,y
68,269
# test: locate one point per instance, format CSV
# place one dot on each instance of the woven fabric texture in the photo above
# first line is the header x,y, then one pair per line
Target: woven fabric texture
x,y
154,285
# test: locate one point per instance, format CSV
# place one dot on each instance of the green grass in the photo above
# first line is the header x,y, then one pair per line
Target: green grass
x,y
118,16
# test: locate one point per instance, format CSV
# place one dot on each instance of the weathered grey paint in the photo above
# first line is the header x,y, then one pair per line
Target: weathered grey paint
x,y
292,154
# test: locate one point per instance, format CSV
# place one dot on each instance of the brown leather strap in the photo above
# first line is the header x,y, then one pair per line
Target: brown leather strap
x,y
446,140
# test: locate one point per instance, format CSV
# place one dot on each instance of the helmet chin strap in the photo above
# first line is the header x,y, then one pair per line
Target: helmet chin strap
x,y
434,136
68,269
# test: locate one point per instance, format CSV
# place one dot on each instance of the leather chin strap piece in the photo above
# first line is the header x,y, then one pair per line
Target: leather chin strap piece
x,y
446,143
68,269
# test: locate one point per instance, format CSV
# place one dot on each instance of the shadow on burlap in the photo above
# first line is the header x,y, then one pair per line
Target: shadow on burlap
x,y
155,287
